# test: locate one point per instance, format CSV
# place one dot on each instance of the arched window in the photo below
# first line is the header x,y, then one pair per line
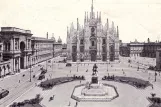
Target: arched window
x,y
92,29
92,43
81,41
104,41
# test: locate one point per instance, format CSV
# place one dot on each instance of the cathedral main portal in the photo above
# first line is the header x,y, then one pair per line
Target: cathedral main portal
x,y
93,55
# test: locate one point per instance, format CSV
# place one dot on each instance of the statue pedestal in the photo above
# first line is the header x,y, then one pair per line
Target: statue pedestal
x,y
94,80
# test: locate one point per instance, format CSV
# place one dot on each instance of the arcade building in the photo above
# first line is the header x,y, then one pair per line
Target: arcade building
x,y
93,41
19,49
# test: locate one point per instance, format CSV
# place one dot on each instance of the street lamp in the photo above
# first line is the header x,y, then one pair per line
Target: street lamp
x,y
107,65
46,65
52,64
155,75
138,66
77,66
30,68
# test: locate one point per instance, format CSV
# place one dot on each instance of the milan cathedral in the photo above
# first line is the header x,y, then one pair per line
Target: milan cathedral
x,y
93,41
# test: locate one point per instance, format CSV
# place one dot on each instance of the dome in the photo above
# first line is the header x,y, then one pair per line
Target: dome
x,y
59,40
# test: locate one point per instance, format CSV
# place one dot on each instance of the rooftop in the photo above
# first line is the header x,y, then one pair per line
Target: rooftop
x,y
42,39
14,29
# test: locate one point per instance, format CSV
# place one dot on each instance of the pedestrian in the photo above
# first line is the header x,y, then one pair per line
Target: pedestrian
x,y
70,71
80,81
152,86
19,81
87,70
76,104
69,103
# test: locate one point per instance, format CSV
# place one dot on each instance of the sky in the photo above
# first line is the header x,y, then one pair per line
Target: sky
x,y
137,19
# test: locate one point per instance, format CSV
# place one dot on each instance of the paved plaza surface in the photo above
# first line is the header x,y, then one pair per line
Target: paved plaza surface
x,y
129,96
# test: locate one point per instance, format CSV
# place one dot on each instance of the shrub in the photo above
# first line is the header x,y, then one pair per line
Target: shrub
x,y
83,78
14,104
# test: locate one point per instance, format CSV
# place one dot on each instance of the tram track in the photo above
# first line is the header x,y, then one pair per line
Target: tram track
x,y
15,94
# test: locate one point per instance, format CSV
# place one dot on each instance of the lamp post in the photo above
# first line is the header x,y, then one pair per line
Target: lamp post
x,y
46,65
77,66
107,65
155,75
138,66
30,68
52,64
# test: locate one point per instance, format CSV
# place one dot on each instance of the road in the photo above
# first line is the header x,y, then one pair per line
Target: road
x,y
60,70
18,84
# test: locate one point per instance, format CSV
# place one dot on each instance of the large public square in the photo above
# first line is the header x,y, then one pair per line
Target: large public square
x,y
22,89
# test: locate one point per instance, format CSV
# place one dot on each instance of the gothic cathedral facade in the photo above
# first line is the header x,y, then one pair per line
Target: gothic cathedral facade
x,y
93,41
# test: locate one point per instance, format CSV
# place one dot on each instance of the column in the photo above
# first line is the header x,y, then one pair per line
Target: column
x,y
11,46
14,65
25,61
19,63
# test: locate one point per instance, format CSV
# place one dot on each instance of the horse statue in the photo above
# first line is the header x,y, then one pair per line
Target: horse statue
x,y
94,69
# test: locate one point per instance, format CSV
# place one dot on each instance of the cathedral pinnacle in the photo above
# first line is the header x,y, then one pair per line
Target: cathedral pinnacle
x,y
85,18
92,13
67,31
77,24
107,24
47,35
100,17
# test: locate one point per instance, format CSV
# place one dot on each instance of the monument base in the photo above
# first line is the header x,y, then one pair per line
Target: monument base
x,y
94,80
101,93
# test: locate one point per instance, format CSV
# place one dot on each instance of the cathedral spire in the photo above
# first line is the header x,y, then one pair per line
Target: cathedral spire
x,y
71,27
92,13
52,34
85,18
107,24
92,7
77,24
113,26
67,31
100,17
47,35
